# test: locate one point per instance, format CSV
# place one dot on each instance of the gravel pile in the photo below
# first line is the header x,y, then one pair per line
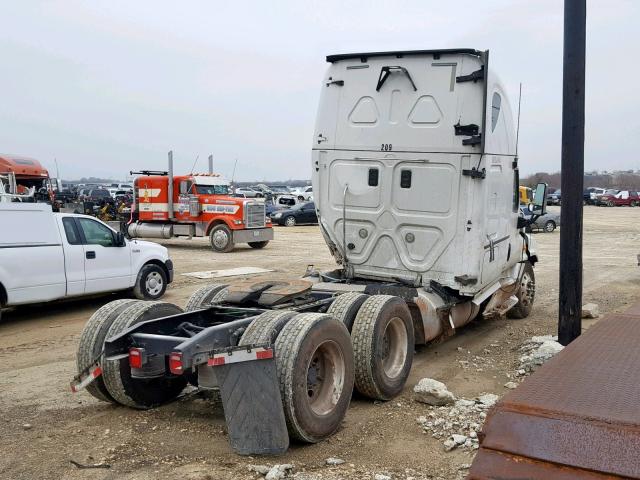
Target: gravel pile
x,y
458,425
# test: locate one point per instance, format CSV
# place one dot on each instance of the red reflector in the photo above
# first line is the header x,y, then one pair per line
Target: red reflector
x,y
135,357
264,354
215,361
175,363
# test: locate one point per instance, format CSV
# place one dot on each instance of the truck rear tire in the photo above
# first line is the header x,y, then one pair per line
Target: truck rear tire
x,y
202,297
219,297
346,306
92,340
258,245
221,239
314,361
266,327
383,342
151,282
135,392
526,294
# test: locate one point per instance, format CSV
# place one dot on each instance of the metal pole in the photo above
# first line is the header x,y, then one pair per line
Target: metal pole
x,y
170,186
570,300
210,163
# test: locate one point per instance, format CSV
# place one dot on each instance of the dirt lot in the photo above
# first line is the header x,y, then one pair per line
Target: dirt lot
x,y
43,426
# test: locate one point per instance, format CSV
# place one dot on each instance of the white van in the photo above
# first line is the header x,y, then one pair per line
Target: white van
x,y
48,256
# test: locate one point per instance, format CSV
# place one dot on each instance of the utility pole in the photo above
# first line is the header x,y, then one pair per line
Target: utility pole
x,y
570,300
211,163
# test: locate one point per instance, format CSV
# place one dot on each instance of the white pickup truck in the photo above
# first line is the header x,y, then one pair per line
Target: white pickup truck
x,y
49,256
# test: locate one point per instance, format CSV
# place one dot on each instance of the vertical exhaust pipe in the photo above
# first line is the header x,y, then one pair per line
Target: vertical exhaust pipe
x,y
170,186
210,163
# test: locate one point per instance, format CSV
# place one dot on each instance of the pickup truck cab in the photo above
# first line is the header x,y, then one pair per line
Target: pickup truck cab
x,y
48,256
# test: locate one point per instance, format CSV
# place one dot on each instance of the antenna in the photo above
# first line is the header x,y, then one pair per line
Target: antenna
x,y
194,164
518,124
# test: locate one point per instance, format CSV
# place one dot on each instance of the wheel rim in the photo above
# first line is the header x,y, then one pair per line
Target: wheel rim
x,y
550,227
394,347
290,221
154,283
325,377
220,239
527,290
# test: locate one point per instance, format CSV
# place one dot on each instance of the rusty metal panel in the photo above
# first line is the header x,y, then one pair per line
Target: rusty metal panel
x,y
493,465
580,410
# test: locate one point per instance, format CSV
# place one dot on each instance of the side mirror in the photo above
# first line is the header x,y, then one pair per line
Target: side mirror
x,y
120,241
539,205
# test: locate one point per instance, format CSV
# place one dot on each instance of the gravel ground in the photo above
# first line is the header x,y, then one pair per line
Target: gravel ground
x,y
45,427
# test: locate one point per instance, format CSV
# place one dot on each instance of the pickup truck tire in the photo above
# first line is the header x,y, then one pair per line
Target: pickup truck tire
x,y
258,245
526,294
151,282
266,327
314,360
202,297
383,344
134,392
346,307
221,239
92,340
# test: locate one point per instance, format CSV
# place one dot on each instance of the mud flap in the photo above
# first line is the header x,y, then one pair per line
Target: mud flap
x,y
251,399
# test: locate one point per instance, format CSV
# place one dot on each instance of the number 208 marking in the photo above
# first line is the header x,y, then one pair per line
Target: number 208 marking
x,y
386,147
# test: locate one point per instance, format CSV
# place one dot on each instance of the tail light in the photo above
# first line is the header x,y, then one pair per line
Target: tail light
x,y
175,363
135,357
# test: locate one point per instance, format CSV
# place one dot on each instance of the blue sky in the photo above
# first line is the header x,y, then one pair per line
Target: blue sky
x,y
106,87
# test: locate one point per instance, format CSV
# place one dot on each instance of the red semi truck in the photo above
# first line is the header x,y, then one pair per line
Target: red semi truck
x,y
196,205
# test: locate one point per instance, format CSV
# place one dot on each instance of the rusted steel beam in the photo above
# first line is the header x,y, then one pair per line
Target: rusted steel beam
x,y
580,411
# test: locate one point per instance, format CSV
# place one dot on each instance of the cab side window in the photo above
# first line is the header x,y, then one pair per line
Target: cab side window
x,y
71,232
96,233
496,102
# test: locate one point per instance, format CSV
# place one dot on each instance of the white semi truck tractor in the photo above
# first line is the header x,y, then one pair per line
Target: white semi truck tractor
x,y
415,178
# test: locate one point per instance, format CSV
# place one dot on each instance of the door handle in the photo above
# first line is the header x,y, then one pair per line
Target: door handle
x,y
90,254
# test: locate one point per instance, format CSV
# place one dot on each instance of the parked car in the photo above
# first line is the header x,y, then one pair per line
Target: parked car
x,y
72,255
247,192
554,198
622,198
593,193
300,213
600,198
279,189
304,193
98,195
122,186
547,222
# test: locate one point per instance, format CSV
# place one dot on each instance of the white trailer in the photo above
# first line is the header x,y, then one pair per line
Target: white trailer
x,y
415,179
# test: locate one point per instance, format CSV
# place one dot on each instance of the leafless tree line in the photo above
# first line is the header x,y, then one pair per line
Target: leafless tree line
x,y
621,181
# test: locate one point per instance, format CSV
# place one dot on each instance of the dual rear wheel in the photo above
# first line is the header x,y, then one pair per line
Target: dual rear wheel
x,y
318,362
